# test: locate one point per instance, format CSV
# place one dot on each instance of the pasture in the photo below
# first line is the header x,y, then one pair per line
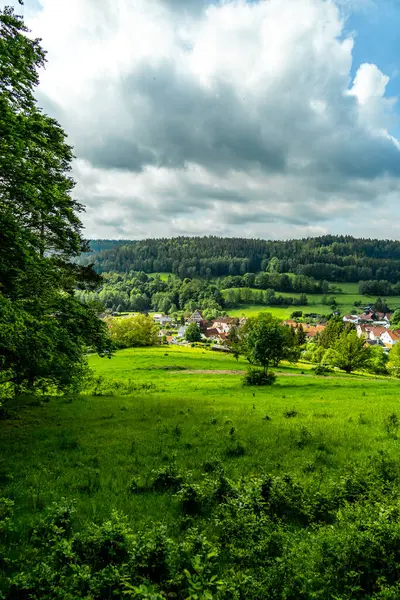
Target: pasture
x,y
171,434
184,403
345,303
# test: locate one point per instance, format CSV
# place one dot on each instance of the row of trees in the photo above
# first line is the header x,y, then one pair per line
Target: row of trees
x,y
281,282
265,342
381,287
333,258
236,297
339,346
44,329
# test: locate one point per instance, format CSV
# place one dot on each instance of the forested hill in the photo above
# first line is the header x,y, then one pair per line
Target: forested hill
x,y
334,258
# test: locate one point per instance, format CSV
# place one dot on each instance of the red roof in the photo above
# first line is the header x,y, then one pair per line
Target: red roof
x,y
211,332
394,335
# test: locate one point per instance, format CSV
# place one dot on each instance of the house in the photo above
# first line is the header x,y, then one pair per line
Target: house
x,y
291,323
161,319
211,333
196,317
351,319
182,331
384,324
370,332
368,317
312,330
390,338
224,324
383,318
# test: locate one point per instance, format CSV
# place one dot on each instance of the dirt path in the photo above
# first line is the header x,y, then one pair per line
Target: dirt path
x,y
230,372
233,372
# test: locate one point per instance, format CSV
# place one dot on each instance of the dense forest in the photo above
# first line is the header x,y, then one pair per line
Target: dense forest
x,y
333,258
141,292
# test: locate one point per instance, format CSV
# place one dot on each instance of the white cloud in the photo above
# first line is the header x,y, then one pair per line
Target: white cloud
x,y
239,118
369,83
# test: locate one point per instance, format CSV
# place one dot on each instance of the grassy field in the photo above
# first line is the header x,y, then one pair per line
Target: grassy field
x,y
91,448
188,413
345,301
163,275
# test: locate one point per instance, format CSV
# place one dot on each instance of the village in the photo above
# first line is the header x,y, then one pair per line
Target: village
x,y
373,326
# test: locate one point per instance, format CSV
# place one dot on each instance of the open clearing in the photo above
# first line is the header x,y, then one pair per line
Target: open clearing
x,y
91,448
182,449
345,303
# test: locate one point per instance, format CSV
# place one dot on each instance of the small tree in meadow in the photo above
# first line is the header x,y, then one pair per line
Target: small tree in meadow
x,y
193,333
264,341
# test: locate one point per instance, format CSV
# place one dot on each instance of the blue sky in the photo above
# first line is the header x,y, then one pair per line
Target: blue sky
x,y
252,119
377,28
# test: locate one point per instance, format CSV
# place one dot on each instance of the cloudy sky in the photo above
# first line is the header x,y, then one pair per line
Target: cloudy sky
x,y
264,118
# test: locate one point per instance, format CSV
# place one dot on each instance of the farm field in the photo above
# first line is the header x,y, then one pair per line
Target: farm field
x,y
345,302
184,415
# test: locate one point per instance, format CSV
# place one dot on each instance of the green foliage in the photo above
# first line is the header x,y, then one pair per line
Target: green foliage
x,y
193,333
321,258
333,330
350,352
378,360
219,500
44,330
393,366
395,320
133,331
322,370
257,377
264,341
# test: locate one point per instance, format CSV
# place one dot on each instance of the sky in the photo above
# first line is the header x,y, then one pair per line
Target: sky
x,y
264,118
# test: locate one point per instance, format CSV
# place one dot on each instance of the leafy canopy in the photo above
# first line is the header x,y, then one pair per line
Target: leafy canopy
x,y
350,352
193,333
45,331
134,331
264,341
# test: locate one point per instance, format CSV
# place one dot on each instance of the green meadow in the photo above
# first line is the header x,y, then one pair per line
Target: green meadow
x,y
90,447
170,439
345,303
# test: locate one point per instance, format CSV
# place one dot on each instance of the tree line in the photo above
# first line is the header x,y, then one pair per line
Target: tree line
x,y
333,258
381,287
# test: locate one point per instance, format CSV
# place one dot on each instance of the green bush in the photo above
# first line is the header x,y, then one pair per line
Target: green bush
x,y
322,370
258,378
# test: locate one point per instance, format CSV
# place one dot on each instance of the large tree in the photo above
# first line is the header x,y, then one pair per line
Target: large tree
x,y
44,329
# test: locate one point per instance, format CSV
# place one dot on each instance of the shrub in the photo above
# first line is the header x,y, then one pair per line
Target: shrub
x,y
257,377
322,370
167,479
236,450
290,414
195,498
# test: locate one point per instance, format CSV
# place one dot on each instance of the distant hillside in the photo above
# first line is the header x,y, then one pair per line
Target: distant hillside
x,y
334,258
101,245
